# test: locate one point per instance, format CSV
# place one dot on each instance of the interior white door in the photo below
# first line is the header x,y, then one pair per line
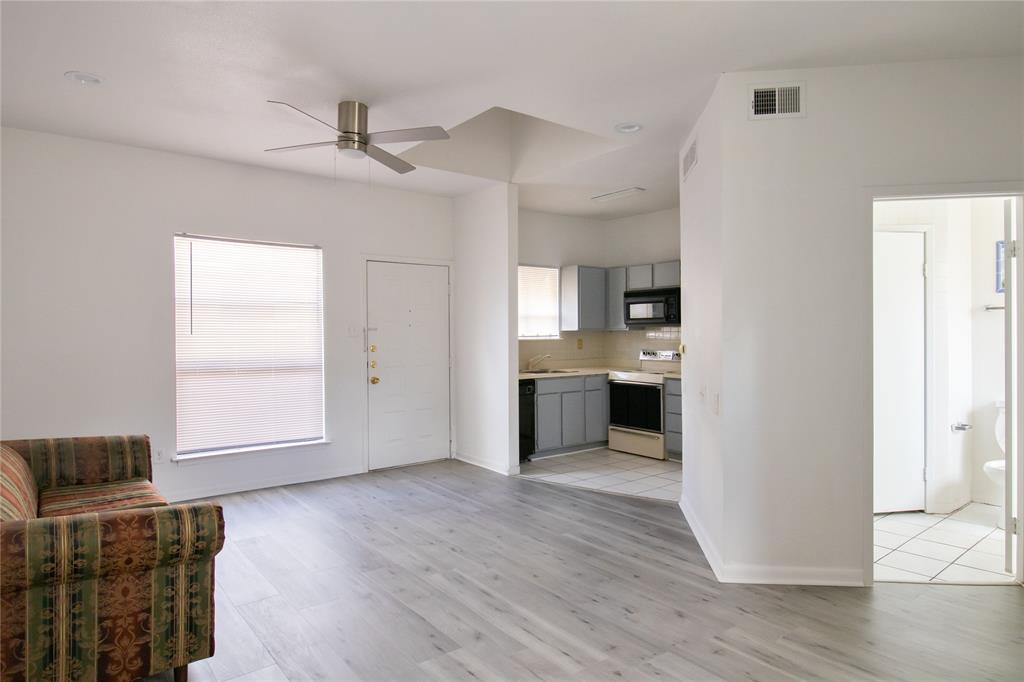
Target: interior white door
x,y
1012,274
407,363
899,371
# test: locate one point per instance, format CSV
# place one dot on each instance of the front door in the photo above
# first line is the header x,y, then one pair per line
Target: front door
x,y
407,368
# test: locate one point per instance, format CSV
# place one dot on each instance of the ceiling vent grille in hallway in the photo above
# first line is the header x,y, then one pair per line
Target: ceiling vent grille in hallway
x,y
689,159
785,100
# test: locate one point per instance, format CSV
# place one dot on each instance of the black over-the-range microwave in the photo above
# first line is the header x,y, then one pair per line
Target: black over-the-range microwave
x,y
652,307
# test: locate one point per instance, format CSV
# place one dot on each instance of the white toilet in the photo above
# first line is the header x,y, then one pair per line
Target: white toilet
x,y
995,469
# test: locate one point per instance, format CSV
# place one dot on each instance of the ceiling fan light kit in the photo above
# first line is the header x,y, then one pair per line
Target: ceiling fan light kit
x,y
355,140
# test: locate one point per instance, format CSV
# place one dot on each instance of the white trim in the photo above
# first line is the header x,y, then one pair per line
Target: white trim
x,y
484,465
193,493
704,540
440,262
186,456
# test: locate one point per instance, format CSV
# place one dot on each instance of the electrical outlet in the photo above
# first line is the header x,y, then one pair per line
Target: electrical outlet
x,y
579,344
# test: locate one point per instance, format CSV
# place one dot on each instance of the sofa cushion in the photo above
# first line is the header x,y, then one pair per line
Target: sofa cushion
x,y
97,497
18,494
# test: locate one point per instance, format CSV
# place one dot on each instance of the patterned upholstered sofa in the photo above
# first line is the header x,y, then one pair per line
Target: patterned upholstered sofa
x,y
100,579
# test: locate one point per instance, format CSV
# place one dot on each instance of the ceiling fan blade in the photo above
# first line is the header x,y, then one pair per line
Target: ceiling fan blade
x,y
274,101
409,135
301,146
390,160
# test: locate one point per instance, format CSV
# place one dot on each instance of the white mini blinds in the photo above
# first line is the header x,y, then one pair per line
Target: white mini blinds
x,y
248,343
538,302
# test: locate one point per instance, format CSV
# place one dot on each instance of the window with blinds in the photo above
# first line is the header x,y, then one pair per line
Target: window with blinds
x,y
538,302
248,344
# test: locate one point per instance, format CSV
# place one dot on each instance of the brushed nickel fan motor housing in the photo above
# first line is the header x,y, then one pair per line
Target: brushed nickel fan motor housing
x,y
352,124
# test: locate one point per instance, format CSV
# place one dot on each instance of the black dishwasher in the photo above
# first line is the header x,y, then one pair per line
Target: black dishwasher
x,y
527,418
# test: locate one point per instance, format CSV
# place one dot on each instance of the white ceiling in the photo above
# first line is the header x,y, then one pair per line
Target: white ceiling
x,y
194,78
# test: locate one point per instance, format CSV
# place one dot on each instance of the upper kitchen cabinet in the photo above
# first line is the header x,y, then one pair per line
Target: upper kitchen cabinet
x,y
639,277
666,274
616,288
584,298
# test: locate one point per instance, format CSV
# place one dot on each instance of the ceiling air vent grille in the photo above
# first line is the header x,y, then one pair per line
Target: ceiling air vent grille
x,y
689,159
784,100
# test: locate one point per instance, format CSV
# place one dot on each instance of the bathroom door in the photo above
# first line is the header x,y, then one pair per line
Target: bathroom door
x,y
899,373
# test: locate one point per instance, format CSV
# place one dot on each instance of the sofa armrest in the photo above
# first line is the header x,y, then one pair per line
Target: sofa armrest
x,y
89,459
65,549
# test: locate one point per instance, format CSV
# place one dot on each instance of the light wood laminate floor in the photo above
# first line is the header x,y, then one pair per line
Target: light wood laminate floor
x,y
449,572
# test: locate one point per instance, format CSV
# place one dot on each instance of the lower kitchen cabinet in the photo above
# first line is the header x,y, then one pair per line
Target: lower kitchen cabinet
x,y
549,421
596,402
571,412
674,417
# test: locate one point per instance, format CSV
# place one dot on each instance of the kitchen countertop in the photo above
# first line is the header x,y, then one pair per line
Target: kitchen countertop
x,y
567,372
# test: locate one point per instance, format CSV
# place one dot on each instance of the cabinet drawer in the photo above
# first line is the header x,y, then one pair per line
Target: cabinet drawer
x,y
673,404
674,442
596,381
559,385
673,387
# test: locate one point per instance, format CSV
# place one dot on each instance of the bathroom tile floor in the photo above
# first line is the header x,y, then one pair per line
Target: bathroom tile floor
x,y
610,471
965,546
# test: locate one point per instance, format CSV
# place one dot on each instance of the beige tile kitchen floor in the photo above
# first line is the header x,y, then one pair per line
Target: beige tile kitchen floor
x,y
610,471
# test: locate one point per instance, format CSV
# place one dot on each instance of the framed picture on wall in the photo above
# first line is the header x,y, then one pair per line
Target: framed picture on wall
x,y
1000,266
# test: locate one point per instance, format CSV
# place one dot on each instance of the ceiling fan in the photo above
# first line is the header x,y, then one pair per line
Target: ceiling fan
x,y
354,140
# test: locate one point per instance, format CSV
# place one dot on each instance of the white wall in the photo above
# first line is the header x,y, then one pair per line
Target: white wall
x,y
88,298
486,353
555,240
796,423
986,346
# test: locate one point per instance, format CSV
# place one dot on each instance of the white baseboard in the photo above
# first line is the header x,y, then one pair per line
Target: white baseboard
x,y
483,465
704,540
173,495
761,574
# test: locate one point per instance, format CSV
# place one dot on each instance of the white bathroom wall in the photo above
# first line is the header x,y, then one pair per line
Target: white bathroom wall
x,y
88,292
794,223
485,350
986,344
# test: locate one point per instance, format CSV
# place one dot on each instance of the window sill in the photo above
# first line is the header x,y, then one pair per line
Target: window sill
x,y
192,456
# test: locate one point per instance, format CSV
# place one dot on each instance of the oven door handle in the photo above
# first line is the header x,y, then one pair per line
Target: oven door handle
x,y
635,432
636,383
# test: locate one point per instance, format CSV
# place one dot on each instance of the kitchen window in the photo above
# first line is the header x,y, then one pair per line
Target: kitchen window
x,y
249,346
538,302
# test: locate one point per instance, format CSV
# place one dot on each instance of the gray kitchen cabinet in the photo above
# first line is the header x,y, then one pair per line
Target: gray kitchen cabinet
x,y
674,417
639,277
666,274
571,411
573,419
549,421
616,287
596,403
583,297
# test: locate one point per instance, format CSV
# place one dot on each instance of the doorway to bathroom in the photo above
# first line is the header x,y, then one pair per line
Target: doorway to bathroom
x,y
945,371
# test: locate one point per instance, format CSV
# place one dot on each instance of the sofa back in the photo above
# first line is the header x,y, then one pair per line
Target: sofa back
x,y
19,497
91,459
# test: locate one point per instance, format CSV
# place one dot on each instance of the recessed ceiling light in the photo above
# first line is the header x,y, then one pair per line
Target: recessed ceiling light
x,y
618,194
628,127
83,78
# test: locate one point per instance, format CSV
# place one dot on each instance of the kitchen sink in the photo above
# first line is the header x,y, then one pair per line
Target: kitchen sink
x,y
548,371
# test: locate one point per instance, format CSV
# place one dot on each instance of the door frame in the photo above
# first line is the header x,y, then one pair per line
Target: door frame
x,y
871,194
402,260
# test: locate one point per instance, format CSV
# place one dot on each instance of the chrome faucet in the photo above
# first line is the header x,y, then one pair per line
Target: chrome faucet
x,y
536,360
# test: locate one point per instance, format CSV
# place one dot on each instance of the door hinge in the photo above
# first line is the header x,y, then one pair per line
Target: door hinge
x,y
1015,526
924,474
924,270
1011,249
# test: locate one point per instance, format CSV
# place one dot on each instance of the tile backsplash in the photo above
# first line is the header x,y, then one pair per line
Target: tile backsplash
x,y
602,348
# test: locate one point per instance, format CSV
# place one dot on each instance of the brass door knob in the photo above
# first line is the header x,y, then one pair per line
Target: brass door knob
x,y
374,380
